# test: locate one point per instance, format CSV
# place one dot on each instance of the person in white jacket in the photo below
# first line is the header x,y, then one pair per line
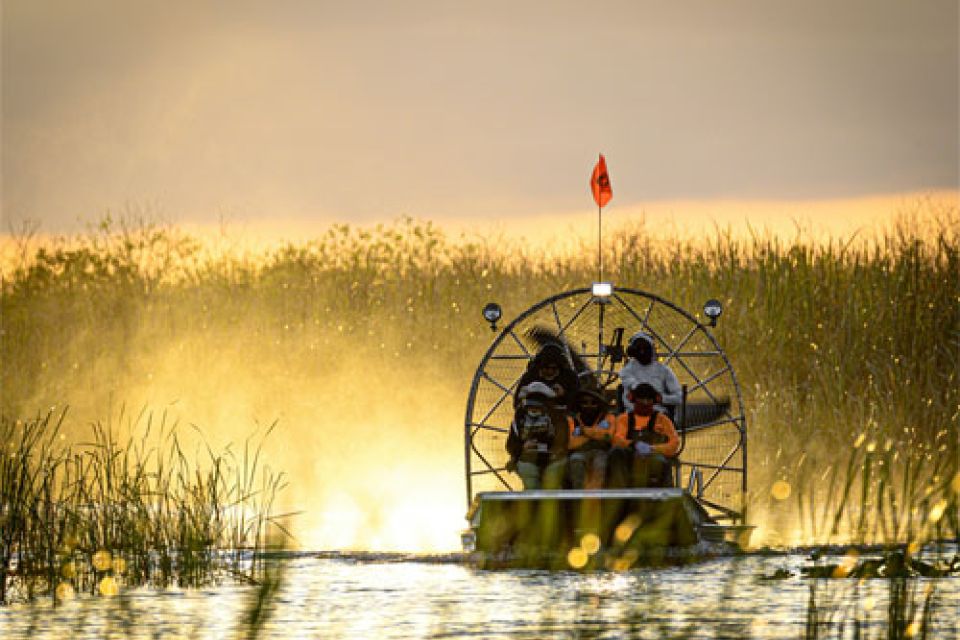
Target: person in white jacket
x,y
643,367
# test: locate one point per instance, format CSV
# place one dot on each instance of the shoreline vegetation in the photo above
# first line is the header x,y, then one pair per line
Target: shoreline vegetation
x,y
848,353
129,508
847,348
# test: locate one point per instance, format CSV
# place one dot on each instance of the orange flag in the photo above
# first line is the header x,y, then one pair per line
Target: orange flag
x,y
600,183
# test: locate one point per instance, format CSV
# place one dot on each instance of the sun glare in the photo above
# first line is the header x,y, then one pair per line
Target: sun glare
x,y
415,514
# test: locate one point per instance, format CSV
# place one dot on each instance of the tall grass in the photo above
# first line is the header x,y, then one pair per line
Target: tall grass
x,y
901,508
830,340
100,515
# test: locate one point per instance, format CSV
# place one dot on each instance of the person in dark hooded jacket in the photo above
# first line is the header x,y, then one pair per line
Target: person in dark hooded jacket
x,y
552,367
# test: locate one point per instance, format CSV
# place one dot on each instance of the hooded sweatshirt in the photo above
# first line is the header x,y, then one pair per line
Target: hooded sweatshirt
x,y
567,379
656,374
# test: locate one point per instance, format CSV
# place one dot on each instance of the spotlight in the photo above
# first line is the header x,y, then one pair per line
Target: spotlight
x,y
712,309
492,313
602,289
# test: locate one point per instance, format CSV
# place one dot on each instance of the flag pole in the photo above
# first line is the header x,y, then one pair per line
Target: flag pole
x,y
599,249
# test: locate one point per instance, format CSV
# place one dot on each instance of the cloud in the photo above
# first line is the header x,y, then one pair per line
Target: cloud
x,y
309,110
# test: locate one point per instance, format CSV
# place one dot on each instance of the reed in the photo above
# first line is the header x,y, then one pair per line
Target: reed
x,y
886,516
846,351
830,339
99,516
833,323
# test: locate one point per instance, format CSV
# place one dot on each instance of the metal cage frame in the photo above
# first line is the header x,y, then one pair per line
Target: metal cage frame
x,y
697,484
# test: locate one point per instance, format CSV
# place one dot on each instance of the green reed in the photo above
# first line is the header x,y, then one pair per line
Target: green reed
x,y
829,339
894,515
136,510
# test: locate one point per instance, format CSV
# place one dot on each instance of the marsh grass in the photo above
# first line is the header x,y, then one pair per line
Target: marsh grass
x,y
898,518
840,325
907,608
830,339
886,516
99,516
881,496
847,350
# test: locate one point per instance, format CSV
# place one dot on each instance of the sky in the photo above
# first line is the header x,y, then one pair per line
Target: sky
x,y
303,112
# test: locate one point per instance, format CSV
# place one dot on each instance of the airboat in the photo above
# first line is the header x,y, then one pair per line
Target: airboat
x,y
702,513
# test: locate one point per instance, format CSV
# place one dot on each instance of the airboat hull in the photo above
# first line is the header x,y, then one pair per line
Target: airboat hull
x,y
632,526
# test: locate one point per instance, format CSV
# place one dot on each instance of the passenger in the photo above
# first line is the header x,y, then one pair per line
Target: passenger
x,y
552,367
643,367
591,432
644,442
537,442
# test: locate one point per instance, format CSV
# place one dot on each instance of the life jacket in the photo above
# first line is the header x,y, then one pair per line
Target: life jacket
x,y
648,435
578,430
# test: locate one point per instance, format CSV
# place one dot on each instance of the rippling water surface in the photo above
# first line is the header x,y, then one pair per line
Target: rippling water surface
x,y
384,597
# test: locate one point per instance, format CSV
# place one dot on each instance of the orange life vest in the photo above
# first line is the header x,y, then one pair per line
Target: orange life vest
x,y
662,425
595,433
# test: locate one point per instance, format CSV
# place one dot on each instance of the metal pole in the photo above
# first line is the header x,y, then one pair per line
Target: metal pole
x,y
599,250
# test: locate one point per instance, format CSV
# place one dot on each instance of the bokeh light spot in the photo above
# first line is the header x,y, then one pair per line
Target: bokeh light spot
x,y
109,587
590,543
781,490
65,591
102,560
577,558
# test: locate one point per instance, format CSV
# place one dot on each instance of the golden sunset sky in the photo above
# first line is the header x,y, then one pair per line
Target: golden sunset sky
x,y
295,113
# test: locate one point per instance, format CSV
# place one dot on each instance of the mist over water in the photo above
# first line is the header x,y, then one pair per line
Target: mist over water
x,y
363,436
360,344
368,404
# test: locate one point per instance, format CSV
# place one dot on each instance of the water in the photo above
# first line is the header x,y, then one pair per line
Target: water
x,y
386,597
